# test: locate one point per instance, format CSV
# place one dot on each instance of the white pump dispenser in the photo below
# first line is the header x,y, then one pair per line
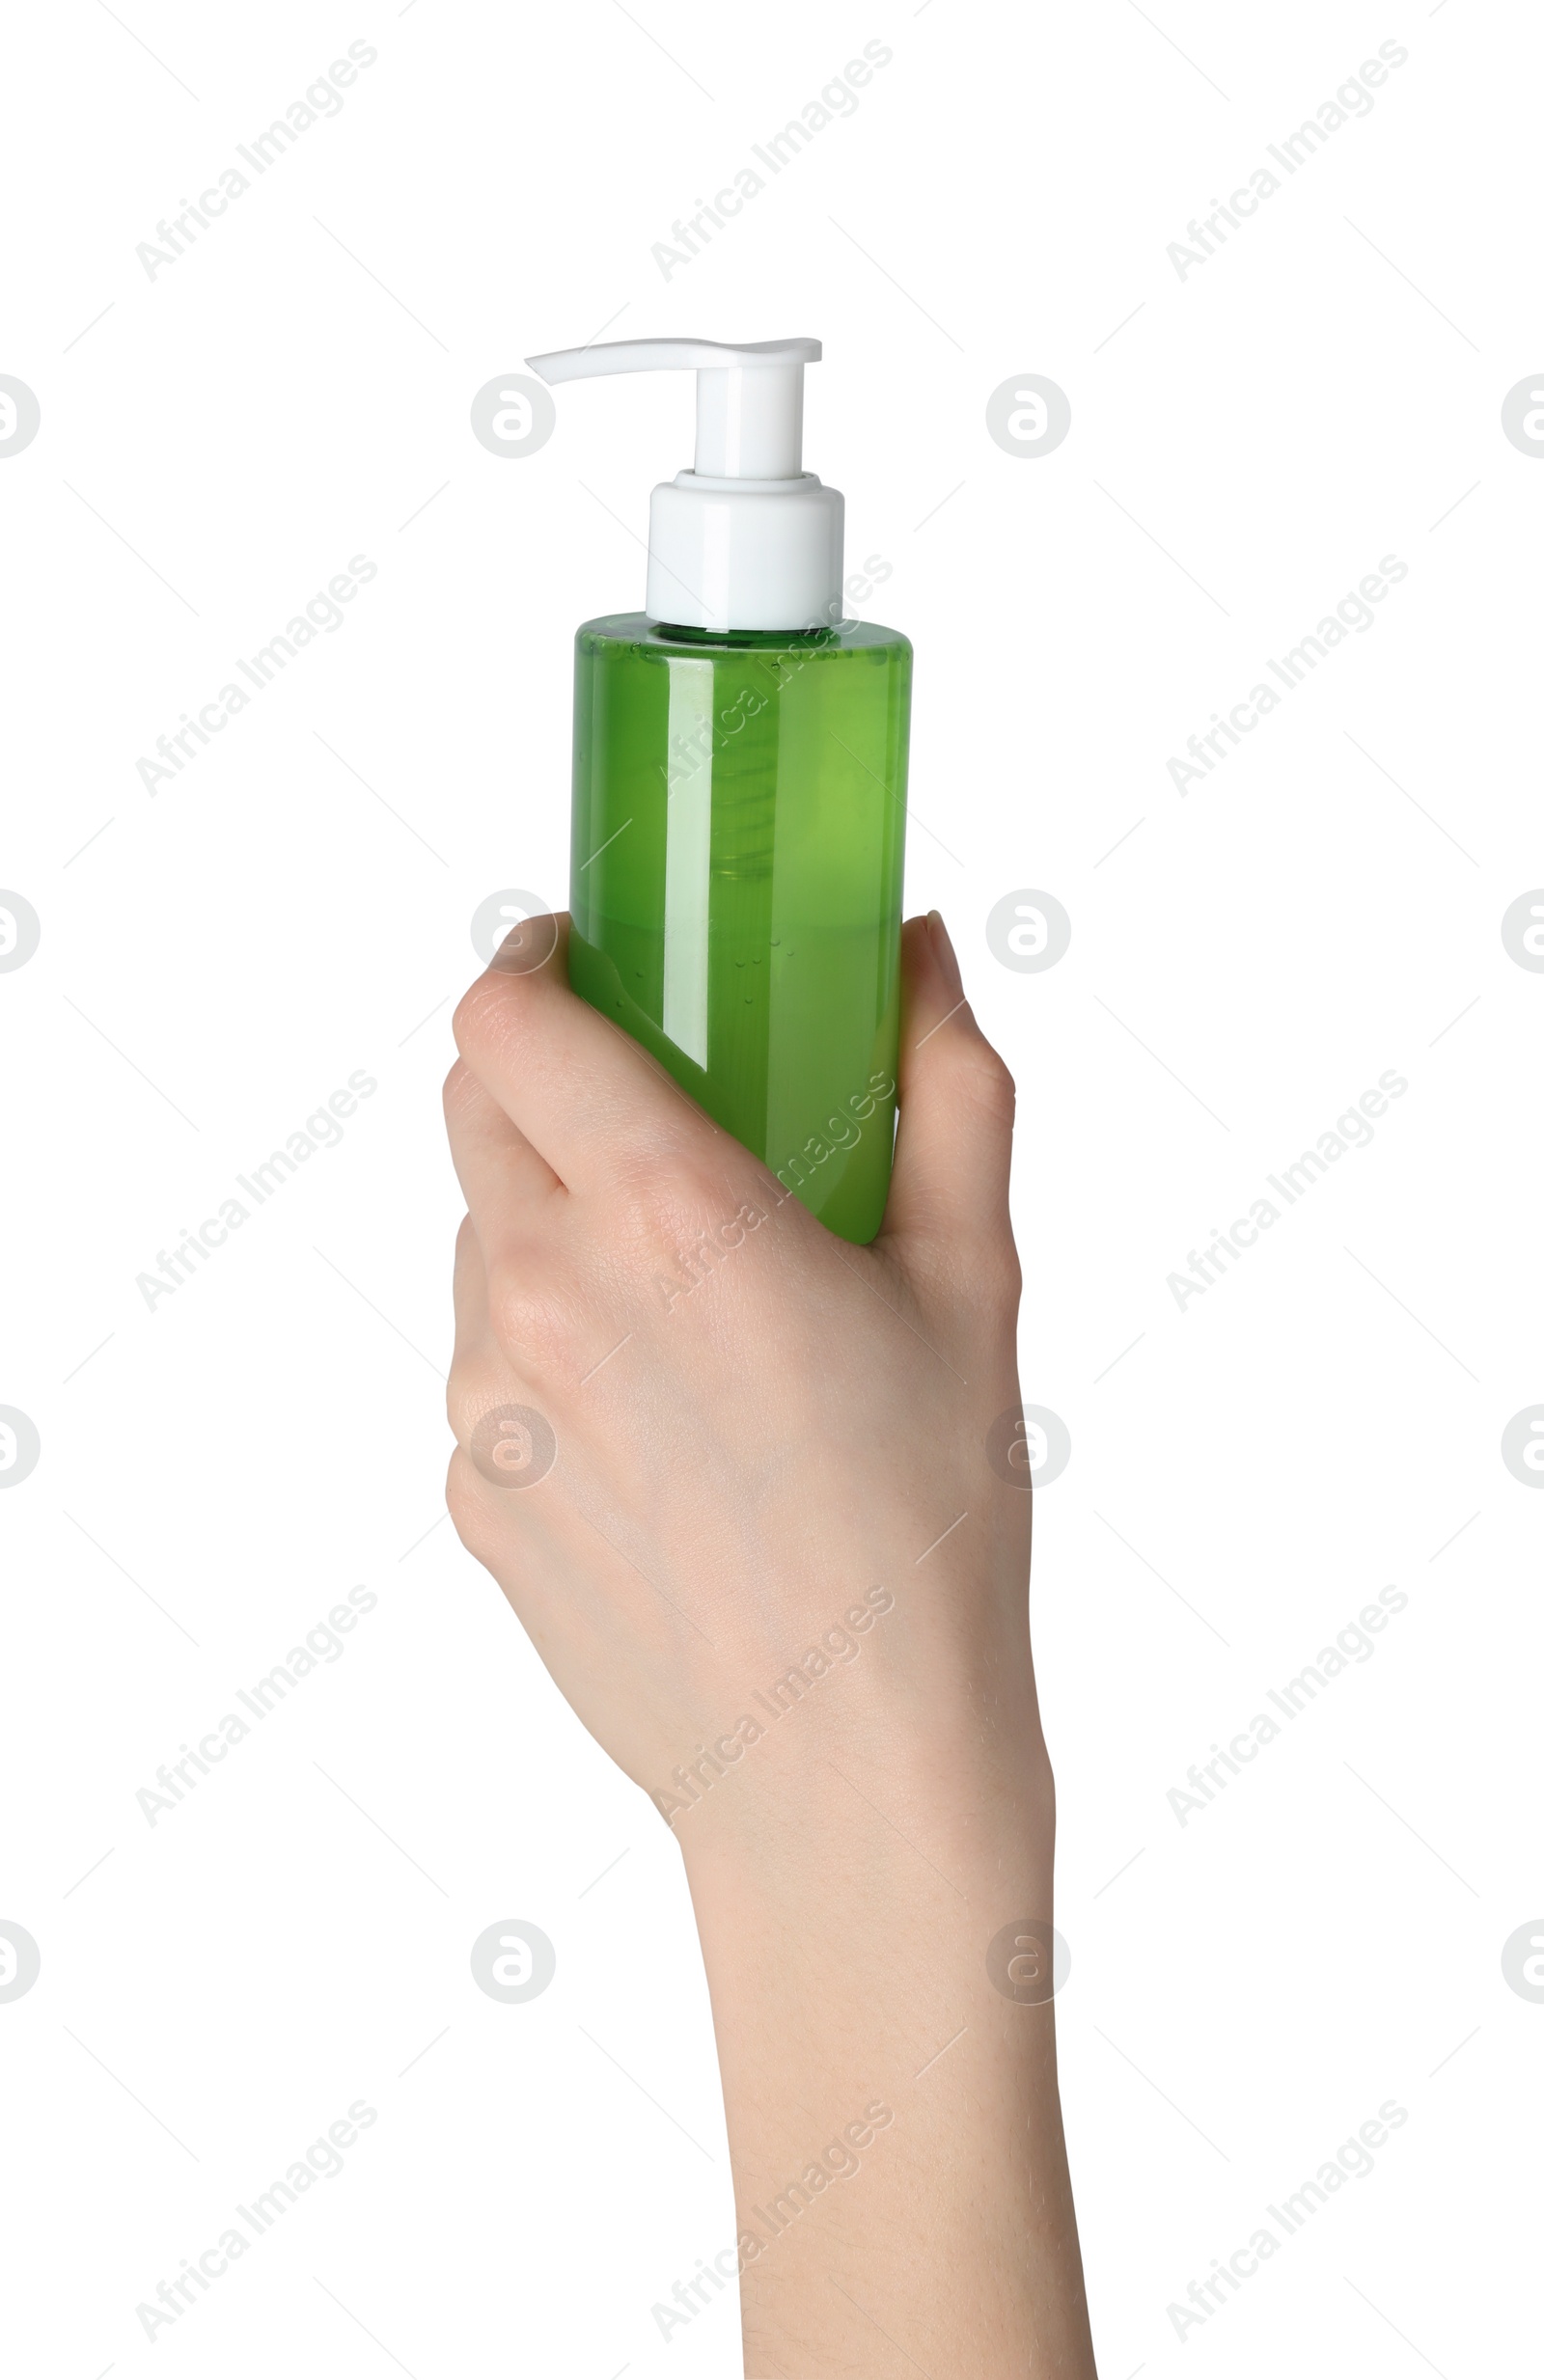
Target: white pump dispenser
x,y
746,538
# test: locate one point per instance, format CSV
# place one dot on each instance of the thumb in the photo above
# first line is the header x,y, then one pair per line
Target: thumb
x,y
949,1184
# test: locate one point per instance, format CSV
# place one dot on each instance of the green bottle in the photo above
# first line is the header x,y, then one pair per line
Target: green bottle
x,y
739,794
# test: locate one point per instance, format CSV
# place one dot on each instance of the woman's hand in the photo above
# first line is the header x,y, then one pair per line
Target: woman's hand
x,y
733,1473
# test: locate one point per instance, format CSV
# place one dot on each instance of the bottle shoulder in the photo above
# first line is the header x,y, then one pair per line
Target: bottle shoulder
x,y
653,639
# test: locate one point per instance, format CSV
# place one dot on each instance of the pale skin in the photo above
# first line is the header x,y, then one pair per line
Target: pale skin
x,y
741,1465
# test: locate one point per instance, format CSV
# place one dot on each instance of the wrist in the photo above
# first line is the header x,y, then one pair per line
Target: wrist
x,y
885,2073
928,1743
865,1852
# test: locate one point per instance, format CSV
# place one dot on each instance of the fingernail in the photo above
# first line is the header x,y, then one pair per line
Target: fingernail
x,y
530,947
944,952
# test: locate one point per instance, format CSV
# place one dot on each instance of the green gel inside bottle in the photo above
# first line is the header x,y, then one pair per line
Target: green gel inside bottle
x,y
739,814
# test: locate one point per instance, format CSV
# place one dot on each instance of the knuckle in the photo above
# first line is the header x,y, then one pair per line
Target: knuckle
x,y
656,1183
466,1269
970,1271
466,1398
532,1320
1004,1272
482,1015
676,1197
987,1081
464,1020
995,1272
459,1091
464,1502
685,1206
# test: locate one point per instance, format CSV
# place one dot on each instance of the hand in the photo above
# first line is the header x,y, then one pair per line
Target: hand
x,y
753,1531
756,1422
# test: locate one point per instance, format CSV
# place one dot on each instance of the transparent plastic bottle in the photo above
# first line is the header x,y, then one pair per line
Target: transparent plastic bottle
x,y
739,813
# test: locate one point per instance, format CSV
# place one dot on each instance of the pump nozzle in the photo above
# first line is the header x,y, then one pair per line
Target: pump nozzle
x,y
746,538
750,400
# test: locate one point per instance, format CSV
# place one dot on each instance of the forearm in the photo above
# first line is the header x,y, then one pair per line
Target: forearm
x,y
901,2177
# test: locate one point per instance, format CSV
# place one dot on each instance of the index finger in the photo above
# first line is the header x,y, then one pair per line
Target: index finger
x,y
583,1093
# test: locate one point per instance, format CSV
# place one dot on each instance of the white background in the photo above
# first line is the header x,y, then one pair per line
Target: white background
x,y
1247,443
